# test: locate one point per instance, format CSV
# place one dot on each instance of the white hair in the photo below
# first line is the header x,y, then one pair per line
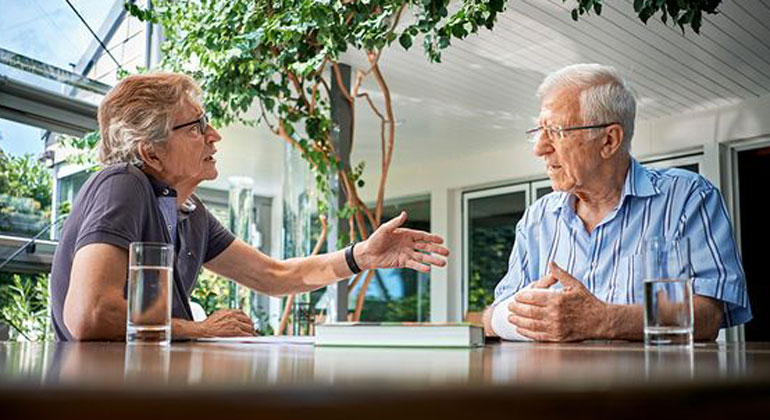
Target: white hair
x,y
605,96
140,109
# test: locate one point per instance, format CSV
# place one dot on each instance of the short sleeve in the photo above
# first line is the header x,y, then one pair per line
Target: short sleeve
x,y
516,278
718,272
115,212
219,237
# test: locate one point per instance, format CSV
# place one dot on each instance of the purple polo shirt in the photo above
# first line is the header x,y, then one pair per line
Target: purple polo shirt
x,y
121,204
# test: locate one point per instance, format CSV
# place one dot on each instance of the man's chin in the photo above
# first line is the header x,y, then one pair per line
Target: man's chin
x,y
209,175
560,186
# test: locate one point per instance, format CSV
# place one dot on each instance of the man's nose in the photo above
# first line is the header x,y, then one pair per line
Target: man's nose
x,y
542,145
212,135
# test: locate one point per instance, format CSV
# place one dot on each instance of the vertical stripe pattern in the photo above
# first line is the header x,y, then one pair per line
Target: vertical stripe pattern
x,y
668,203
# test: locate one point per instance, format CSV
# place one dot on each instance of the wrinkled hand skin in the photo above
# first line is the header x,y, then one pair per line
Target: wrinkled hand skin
x,y
227,323
574,314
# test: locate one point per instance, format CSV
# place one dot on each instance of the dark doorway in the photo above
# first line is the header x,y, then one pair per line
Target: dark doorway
x,y
755,229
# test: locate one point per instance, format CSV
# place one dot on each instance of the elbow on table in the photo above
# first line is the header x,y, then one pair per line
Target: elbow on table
x,y
709,331
103,321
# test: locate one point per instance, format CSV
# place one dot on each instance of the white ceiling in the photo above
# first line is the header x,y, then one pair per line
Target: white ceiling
x,y
482,95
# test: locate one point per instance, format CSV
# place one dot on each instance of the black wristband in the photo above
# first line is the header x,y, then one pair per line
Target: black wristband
x,y
351,260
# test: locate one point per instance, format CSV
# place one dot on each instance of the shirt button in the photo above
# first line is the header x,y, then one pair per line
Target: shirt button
x,y
189,254
169,227
593,265
165,191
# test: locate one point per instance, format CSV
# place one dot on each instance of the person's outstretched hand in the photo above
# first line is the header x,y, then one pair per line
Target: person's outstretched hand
x,y
392,246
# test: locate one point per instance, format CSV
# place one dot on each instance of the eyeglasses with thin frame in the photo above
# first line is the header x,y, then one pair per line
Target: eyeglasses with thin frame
x,y
202,121
556,133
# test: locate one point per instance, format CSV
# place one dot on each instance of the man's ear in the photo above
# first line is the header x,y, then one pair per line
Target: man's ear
x,y
151,156
613,141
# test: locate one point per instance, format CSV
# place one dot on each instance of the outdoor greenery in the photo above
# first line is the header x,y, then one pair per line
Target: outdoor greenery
x,y
25,194
488,262
24,306
25,205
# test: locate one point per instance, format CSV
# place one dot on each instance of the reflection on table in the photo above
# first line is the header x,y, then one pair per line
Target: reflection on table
x,y
224,380
265,365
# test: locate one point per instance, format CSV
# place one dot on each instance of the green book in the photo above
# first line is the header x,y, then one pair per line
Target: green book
x,y
399,334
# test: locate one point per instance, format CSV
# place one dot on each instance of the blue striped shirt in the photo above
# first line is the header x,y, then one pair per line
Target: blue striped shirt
x,y
668,203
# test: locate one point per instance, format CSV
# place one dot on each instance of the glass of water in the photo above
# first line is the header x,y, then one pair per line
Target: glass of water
x,y
668,311
150,276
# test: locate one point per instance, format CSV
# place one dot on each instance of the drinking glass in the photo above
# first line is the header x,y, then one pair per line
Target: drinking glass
x,y
668,310
150,278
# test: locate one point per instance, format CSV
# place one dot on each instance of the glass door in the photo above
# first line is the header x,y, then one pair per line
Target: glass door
x,y
749,162
489,225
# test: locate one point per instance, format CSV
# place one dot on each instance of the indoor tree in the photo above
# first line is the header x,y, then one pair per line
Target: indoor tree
x,y
280,56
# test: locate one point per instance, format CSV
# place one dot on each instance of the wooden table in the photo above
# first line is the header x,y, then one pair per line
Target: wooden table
x,y
515,380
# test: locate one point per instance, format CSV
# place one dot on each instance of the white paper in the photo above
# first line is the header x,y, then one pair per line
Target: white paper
x,y
500,324
268,339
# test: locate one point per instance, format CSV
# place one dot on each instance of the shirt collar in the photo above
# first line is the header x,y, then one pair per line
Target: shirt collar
x,y
637,183
163,190
160,188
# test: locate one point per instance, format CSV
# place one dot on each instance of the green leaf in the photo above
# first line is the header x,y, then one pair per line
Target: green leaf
x,y
405,40
575,15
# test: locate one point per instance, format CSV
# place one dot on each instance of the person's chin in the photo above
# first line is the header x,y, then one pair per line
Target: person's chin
x,y
211,175
561,185
208,174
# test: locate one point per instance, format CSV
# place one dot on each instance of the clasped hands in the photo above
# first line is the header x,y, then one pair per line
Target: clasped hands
x,y
574,314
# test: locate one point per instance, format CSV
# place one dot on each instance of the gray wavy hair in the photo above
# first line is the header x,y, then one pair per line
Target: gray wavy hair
x,y
138,109
604,95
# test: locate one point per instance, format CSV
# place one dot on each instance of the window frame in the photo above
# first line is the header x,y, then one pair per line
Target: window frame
x,y
524,187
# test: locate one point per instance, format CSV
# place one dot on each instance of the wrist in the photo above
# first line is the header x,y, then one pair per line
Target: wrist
x,y
607,321
184,329
623,322
361,255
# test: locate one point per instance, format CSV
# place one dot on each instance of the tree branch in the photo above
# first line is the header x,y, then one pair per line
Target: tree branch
x,y
388,151
290,299
362,295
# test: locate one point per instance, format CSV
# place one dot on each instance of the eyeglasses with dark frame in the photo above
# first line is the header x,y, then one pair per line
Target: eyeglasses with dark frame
x,y
202,121
556,133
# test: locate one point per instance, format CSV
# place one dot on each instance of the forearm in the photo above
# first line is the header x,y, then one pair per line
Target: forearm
x,y
105,320
108,323
623,322
626,322
708,314
182,329
298,275
486,321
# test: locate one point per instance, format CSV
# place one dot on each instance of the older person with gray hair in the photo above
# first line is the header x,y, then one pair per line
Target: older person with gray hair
x,y
581,237
156,147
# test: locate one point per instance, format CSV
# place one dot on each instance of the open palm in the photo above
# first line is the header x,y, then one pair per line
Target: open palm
x,y
392,246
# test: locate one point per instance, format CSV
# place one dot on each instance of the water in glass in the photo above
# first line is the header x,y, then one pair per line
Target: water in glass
x,y
150,278
668,311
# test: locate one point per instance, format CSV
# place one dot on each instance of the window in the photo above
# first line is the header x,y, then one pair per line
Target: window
x,y
490,218
399,295
25,182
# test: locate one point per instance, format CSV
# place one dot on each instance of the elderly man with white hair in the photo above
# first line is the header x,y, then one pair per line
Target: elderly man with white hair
x,y
156,147
604,205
